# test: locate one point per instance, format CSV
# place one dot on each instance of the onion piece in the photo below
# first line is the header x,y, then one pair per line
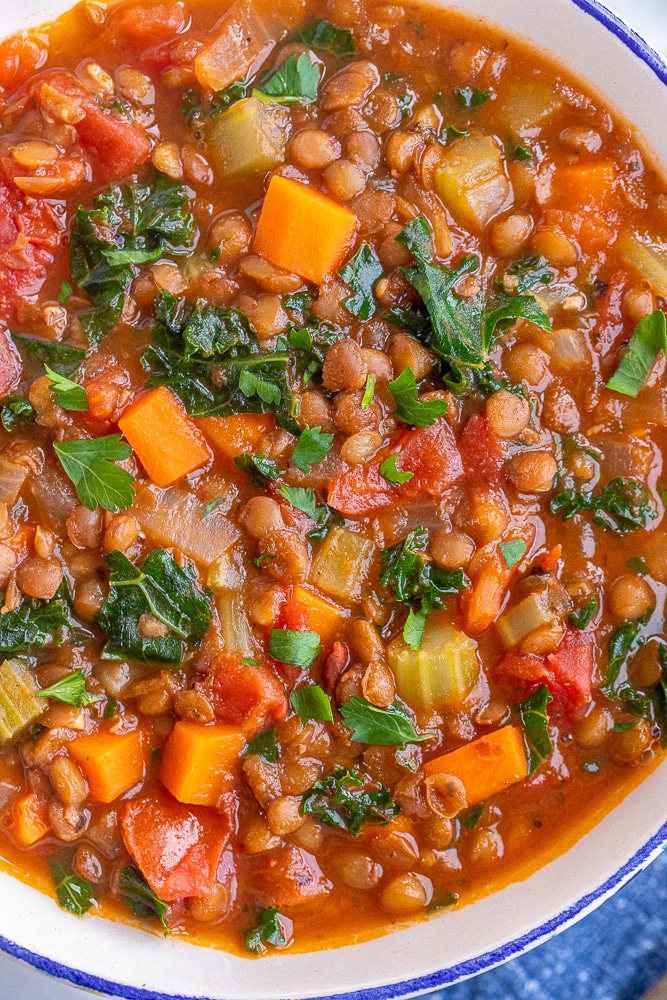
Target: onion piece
x,y
235,628
12,478
54,495
650,262
173,517
569,350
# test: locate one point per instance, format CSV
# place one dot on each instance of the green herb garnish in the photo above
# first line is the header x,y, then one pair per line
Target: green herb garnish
x,y
295,82
409,407
311,448
621,506
390,471
90,464
300,649
268,931
346,800
71,690
535,721
140,898
265,745
70,395
646,343
513,551
385,727
324,36
311,703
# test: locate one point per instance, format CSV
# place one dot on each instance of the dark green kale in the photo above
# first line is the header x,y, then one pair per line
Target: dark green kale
x,y
140,898
14,408
529,271
621,506
128,225
209,357
463,329
37,623
265,745
346,801
535,721
324,36
626,639
159,589
362,272
73,893
268,930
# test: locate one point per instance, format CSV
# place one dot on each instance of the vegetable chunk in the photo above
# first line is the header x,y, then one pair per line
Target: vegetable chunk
x,y
472,182
303,231
486,766
167,442
112,763
198,763
439,674
248,139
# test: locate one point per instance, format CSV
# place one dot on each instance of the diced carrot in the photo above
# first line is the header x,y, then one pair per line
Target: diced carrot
x,y
550,560
322,616
232,436
586,184
177,847
111,763
198,762
303,231
121,146
248,695
486,766
29,820
287,876
430,453
165,439
49,179
481,604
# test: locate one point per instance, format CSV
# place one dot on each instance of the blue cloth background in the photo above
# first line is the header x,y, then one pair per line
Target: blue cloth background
x,y
616,953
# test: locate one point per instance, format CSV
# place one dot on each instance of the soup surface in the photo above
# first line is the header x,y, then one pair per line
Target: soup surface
x,y
333,404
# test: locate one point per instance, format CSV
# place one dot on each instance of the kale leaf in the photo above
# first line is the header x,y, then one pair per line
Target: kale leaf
x,y
73,893
15,408
161,590
128,225
625,640
37,623
208,356
269,930
362,272
324,36
535,721
463,329
621,506
346,801
140,898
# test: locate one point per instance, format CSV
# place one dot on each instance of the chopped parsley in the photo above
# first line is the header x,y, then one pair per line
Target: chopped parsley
x,y
390,471
311,448
324,36
513,551
410,409
71,690
265,745
268,930
70,395
295,82
646,343
311,703
471,97
90,464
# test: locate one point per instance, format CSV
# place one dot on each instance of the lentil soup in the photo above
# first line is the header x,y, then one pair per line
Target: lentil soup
x,y
333,401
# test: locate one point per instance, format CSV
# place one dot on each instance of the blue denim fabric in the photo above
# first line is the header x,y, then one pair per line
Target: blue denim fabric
x,y
616,953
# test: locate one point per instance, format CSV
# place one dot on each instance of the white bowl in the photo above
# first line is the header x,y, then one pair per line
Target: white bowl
x,y
115,959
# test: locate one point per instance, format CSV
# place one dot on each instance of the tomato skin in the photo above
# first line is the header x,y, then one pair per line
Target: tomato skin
x,y
244,694
335,666
567,672
121,146
178,848
482,451
430,453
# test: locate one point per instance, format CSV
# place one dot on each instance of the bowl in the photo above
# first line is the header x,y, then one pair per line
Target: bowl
x,y
119,960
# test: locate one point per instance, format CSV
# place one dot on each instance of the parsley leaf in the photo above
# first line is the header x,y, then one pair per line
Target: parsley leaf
x,y
129,225
409,407
268,931
89,463
71,690
212,505
390,471
162,590
646,343
73,893
295,82
385,727
13,408
413,630
346,801
70,395
621,506
522,153
232,93
324,36
303,499
581,618
513,551
300,649
311,448
140,898
463,329
265,745
535,721
311,703
362,273
471,97
209,357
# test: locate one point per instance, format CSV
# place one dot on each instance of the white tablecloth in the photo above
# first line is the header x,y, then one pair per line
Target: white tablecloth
x,y
21,983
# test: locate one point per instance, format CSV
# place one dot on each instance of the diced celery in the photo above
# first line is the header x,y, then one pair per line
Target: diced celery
x,y
18,703
442,672
235,627
541,608
651,264
472,182
341,563
529,104
248,138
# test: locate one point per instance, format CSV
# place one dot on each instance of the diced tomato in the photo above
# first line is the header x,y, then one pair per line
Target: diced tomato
x,y
10,363
336,664
287,876
145,24
482,451
121,146
293,615
177,847
610,327
430,453
245,694
567,672
26,236
20,56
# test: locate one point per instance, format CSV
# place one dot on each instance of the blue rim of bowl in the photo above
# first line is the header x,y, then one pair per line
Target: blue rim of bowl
x,y
471,967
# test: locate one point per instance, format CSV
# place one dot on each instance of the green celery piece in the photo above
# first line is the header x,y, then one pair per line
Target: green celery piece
x,y
19,706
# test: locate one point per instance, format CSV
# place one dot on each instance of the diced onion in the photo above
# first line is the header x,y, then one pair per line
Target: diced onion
x,y
173,517
12,478
569,350
651,263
